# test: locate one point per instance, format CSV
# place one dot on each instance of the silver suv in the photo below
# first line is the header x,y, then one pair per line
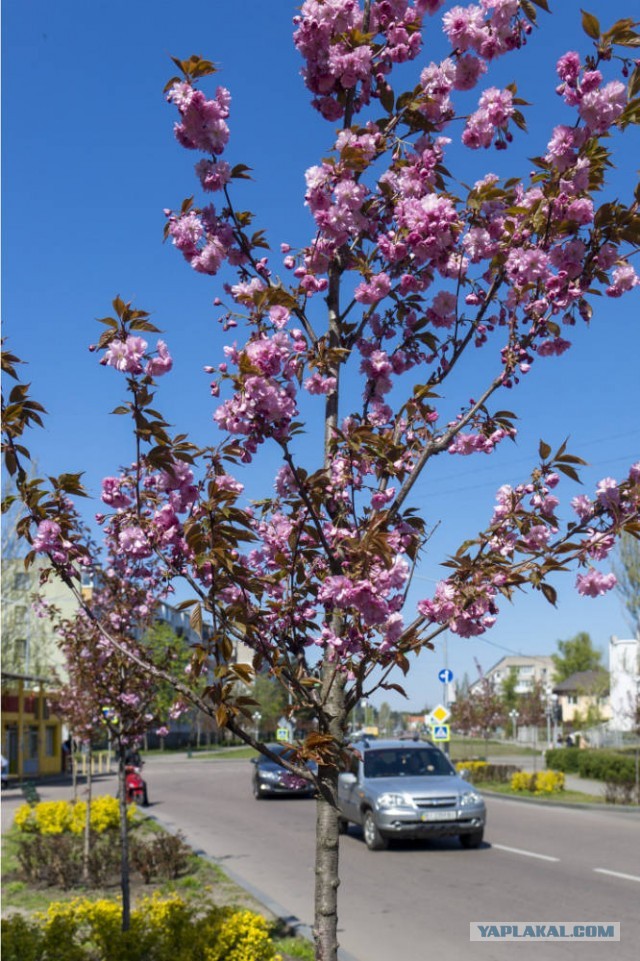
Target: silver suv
x,y
408,789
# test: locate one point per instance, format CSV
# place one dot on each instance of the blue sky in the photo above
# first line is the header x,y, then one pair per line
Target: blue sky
x,y
89,163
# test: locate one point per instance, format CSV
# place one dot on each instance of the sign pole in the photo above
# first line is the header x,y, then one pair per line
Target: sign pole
x,y
445,686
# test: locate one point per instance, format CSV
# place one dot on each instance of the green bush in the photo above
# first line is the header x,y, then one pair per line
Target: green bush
x,y
607,766
563,759
612,766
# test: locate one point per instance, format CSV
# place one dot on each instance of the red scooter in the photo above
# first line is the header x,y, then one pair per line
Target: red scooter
x,y
135,786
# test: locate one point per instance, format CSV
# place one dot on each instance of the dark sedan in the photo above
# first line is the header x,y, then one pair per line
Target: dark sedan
x,y
270,779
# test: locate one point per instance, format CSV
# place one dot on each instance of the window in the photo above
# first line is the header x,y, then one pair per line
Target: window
x,y
50,741
21,650
32,743
20,616
21,581
572,699
414,762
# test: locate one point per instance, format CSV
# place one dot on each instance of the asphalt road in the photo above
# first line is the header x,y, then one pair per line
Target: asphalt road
x,y
414,902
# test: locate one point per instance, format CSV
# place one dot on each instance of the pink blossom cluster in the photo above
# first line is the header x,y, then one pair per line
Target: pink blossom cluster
x,y
205,240
599,104
203,122
114,492
264,403
594,583
375,598
127,356
473,443
335,199
490,28
427,230
340,58
490,120
467,611
50,540
439,80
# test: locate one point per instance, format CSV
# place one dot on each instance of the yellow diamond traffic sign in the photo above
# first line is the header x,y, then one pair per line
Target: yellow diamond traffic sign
x,y
440,714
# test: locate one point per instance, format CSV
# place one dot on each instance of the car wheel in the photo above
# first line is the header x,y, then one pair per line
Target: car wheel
x,y
472,840
372,837
343,825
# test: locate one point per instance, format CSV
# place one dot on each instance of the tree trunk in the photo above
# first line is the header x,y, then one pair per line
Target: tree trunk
x,y
327,837
124,847
86,850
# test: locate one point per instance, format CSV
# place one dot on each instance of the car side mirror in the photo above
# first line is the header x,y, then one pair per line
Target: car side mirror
x,y
347,779
464,773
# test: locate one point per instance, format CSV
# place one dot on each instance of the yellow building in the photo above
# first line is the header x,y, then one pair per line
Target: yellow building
x,y
31,730
584,698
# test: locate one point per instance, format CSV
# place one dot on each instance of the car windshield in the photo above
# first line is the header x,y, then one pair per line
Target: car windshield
x,y
401,762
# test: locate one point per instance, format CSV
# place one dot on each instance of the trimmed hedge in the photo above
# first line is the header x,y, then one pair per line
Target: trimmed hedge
x,y
563,759
599,765
479,772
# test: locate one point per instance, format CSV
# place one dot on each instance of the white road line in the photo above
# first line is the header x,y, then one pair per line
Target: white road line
x,y
616,874
527,854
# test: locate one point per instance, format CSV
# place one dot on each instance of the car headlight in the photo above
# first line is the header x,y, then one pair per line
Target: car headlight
x,y
394,801
470,797
269,775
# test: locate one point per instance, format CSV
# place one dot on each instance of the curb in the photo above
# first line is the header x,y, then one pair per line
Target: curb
x,y
293,923
627,809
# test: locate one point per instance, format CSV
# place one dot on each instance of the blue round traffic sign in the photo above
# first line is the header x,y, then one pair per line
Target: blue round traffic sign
x,y
445,675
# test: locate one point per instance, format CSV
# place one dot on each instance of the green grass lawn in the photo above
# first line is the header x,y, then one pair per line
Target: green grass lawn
x,y
464,748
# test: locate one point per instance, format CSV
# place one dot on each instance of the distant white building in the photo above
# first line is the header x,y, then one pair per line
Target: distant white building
x,y
530,669
624,671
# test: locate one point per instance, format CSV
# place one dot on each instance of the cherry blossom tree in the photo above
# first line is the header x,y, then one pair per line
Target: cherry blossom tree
x,y
365,337
107,690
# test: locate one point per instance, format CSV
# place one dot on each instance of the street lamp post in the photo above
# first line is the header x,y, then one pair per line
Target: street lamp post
x,y
257,717
514,715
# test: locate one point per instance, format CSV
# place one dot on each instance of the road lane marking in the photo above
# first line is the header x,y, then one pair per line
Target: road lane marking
x,y
617,874
527,854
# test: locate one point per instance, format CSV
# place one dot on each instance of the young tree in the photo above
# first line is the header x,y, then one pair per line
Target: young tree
x,y
508,690
480,712
407,274
108,690
576,654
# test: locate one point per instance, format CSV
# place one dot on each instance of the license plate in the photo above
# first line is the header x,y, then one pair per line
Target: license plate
x,y
439,816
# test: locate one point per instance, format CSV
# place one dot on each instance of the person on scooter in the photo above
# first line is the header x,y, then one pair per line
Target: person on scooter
x,y
133,760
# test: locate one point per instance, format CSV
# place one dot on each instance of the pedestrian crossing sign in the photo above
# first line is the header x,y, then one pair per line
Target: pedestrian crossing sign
x,y
441,732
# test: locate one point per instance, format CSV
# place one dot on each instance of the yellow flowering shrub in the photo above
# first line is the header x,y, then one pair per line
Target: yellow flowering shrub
x,y
244,937
162,929
59,817
52,817
548,782
470,765
544,782
24,818
523,781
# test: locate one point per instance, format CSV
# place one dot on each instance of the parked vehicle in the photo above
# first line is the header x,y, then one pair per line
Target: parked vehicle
x,y
401,789
270,779
135,786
